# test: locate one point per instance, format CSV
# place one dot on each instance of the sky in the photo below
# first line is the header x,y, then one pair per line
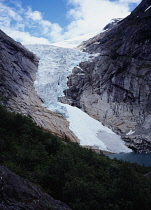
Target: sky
x,y
51,21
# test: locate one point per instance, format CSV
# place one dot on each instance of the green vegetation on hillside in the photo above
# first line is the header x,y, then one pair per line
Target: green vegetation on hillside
x,y
77,176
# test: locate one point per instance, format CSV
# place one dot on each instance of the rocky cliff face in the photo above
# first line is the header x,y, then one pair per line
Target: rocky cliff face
x,y
95,40
18,68
18,193
115,87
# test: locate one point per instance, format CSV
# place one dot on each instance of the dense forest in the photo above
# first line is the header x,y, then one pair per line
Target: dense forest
x,y
77,176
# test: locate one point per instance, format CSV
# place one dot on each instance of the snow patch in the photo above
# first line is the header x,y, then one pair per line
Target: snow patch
x,y
96,43
92,133
130,133
148,8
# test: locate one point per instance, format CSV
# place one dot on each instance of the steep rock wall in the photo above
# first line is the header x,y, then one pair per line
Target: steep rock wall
x,y
115,87
18,68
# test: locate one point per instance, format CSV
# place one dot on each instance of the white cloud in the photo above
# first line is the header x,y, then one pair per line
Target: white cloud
x,y
8,15
130,1
27,26
56,33
86,16
34,15
25,37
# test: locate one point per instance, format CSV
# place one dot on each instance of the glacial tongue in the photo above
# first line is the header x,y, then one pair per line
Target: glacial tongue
x,y
55,66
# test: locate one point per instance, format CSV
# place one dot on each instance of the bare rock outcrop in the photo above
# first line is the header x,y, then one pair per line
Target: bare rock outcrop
x,y
18,68
18,193
115,87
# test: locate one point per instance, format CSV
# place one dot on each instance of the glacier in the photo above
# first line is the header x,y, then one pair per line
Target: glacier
x,y
56,64
74,42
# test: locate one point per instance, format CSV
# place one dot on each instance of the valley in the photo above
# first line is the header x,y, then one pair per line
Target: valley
x,y
75,121
55,65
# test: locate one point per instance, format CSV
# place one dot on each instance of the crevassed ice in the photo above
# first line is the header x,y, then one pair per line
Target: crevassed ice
x,y
55,65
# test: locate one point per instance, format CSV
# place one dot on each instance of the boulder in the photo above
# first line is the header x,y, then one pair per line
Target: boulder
x,y
19,194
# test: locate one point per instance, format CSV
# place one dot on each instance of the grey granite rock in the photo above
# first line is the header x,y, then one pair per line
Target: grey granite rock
x,y
115,87
18,67
17,193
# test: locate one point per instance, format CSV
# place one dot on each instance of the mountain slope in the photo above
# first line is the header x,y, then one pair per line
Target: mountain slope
x,y
17,90
55,66
18,193
115,88
74,175
18,67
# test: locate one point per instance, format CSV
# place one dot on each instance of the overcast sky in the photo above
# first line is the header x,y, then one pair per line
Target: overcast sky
x,y
49,21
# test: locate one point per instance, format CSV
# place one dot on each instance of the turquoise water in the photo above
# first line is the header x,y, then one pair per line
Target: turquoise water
x,y
141,159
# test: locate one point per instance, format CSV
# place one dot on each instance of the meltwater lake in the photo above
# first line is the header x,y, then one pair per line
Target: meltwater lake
x,y
140,158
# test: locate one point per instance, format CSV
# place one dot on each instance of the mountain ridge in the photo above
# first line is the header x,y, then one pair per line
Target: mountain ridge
x,y
18,68
116,88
